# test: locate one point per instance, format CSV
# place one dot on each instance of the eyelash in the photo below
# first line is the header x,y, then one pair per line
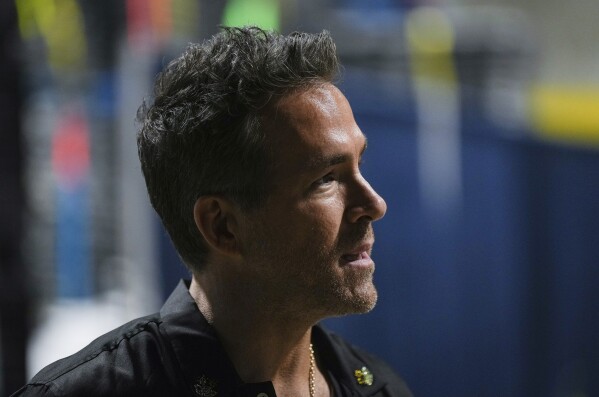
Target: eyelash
x,y
330,177
325,179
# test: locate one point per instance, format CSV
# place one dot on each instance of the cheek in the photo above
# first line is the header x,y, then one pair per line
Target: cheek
x,y
313,224
324,220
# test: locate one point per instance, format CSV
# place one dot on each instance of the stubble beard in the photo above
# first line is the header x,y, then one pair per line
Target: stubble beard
x,y
350,291
355,294
309,282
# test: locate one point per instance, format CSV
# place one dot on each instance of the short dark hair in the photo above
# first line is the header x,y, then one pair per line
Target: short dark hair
x,y
203,133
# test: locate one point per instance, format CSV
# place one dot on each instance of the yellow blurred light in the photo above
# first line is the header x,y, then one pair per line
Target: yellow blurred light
x,y
429,31
430,39
566,113
66,39
35,16
60,23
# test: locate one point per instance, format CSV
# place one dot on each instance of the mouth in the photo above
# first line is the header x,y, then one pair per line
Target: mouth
x,y
360,257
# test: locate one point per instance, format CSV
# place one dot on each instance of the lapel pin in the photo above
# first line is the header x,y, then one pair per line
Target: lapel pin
x,y
364,376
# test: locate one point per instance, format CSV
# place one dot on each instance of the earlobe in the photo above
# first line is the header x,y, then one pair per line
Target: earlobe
x,y
216,220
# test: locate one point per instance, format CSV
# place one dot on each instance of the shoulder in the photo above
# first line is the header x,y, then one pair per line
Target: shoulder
x,y
366,362
120,362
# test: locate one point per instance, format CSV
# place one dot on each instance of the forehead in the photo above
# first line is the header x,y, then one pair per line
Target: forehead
x,y
312,123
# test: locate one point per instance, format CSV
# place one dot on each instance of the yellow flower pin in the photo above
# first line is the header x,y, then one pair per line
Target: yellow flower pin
x,y
364,376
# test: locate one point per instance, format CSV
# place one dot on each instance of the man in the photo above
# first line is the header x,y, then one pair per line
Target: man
x,y
251,158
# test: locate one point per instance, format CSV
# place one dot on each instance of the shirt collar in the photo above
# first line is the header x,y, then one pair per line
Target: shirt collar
x,y
342,363
202,360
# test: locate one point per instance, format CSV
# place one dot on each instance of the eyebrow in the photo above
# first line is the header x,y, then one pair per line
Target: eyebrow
x,y
320,162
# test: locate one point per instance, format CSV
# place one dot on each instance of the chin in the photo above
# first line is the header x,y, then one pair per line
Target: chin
x,y
357,302
365,297
366,305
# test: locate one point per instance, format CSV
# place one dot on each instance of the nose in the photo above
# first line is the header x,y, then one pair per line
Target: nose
x,y
365,202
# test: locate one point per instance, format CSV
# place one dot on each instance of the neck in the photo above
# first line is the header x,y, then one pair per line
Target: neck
x,y
263,344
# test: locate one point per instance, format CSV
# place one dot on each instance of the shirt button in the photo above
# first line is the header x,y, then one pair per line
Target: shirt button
x,y
262,395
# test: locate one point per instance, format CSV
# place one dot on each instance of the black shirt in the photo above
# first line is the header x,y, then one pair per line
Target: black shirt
x,y
176,353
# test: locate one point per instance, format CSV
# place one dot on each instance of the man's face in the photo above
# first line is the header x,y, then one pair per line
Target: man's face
x,y
308,247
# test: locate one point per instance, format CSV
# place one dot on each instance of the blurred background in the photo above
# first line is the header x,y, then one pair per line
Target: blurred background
x,y
483,127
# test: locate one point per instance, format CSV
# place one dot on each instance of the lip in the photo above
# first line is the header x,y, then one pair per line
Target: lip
x,y
359,257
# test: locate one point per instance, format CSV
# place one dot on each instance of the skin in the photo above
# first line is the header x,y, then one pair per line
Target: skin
x,y
302,256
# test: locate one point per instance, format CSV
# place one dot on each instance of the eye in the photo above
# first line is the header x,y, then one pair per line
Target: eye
x,y
325,180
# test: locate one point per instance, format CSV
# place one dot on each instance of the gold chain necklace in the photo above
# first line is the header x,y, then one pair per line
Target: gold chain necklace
x,y
311,373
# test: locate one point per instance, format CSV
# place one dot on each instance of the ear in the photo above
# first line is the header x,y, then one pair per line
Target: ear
x,y
216,219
